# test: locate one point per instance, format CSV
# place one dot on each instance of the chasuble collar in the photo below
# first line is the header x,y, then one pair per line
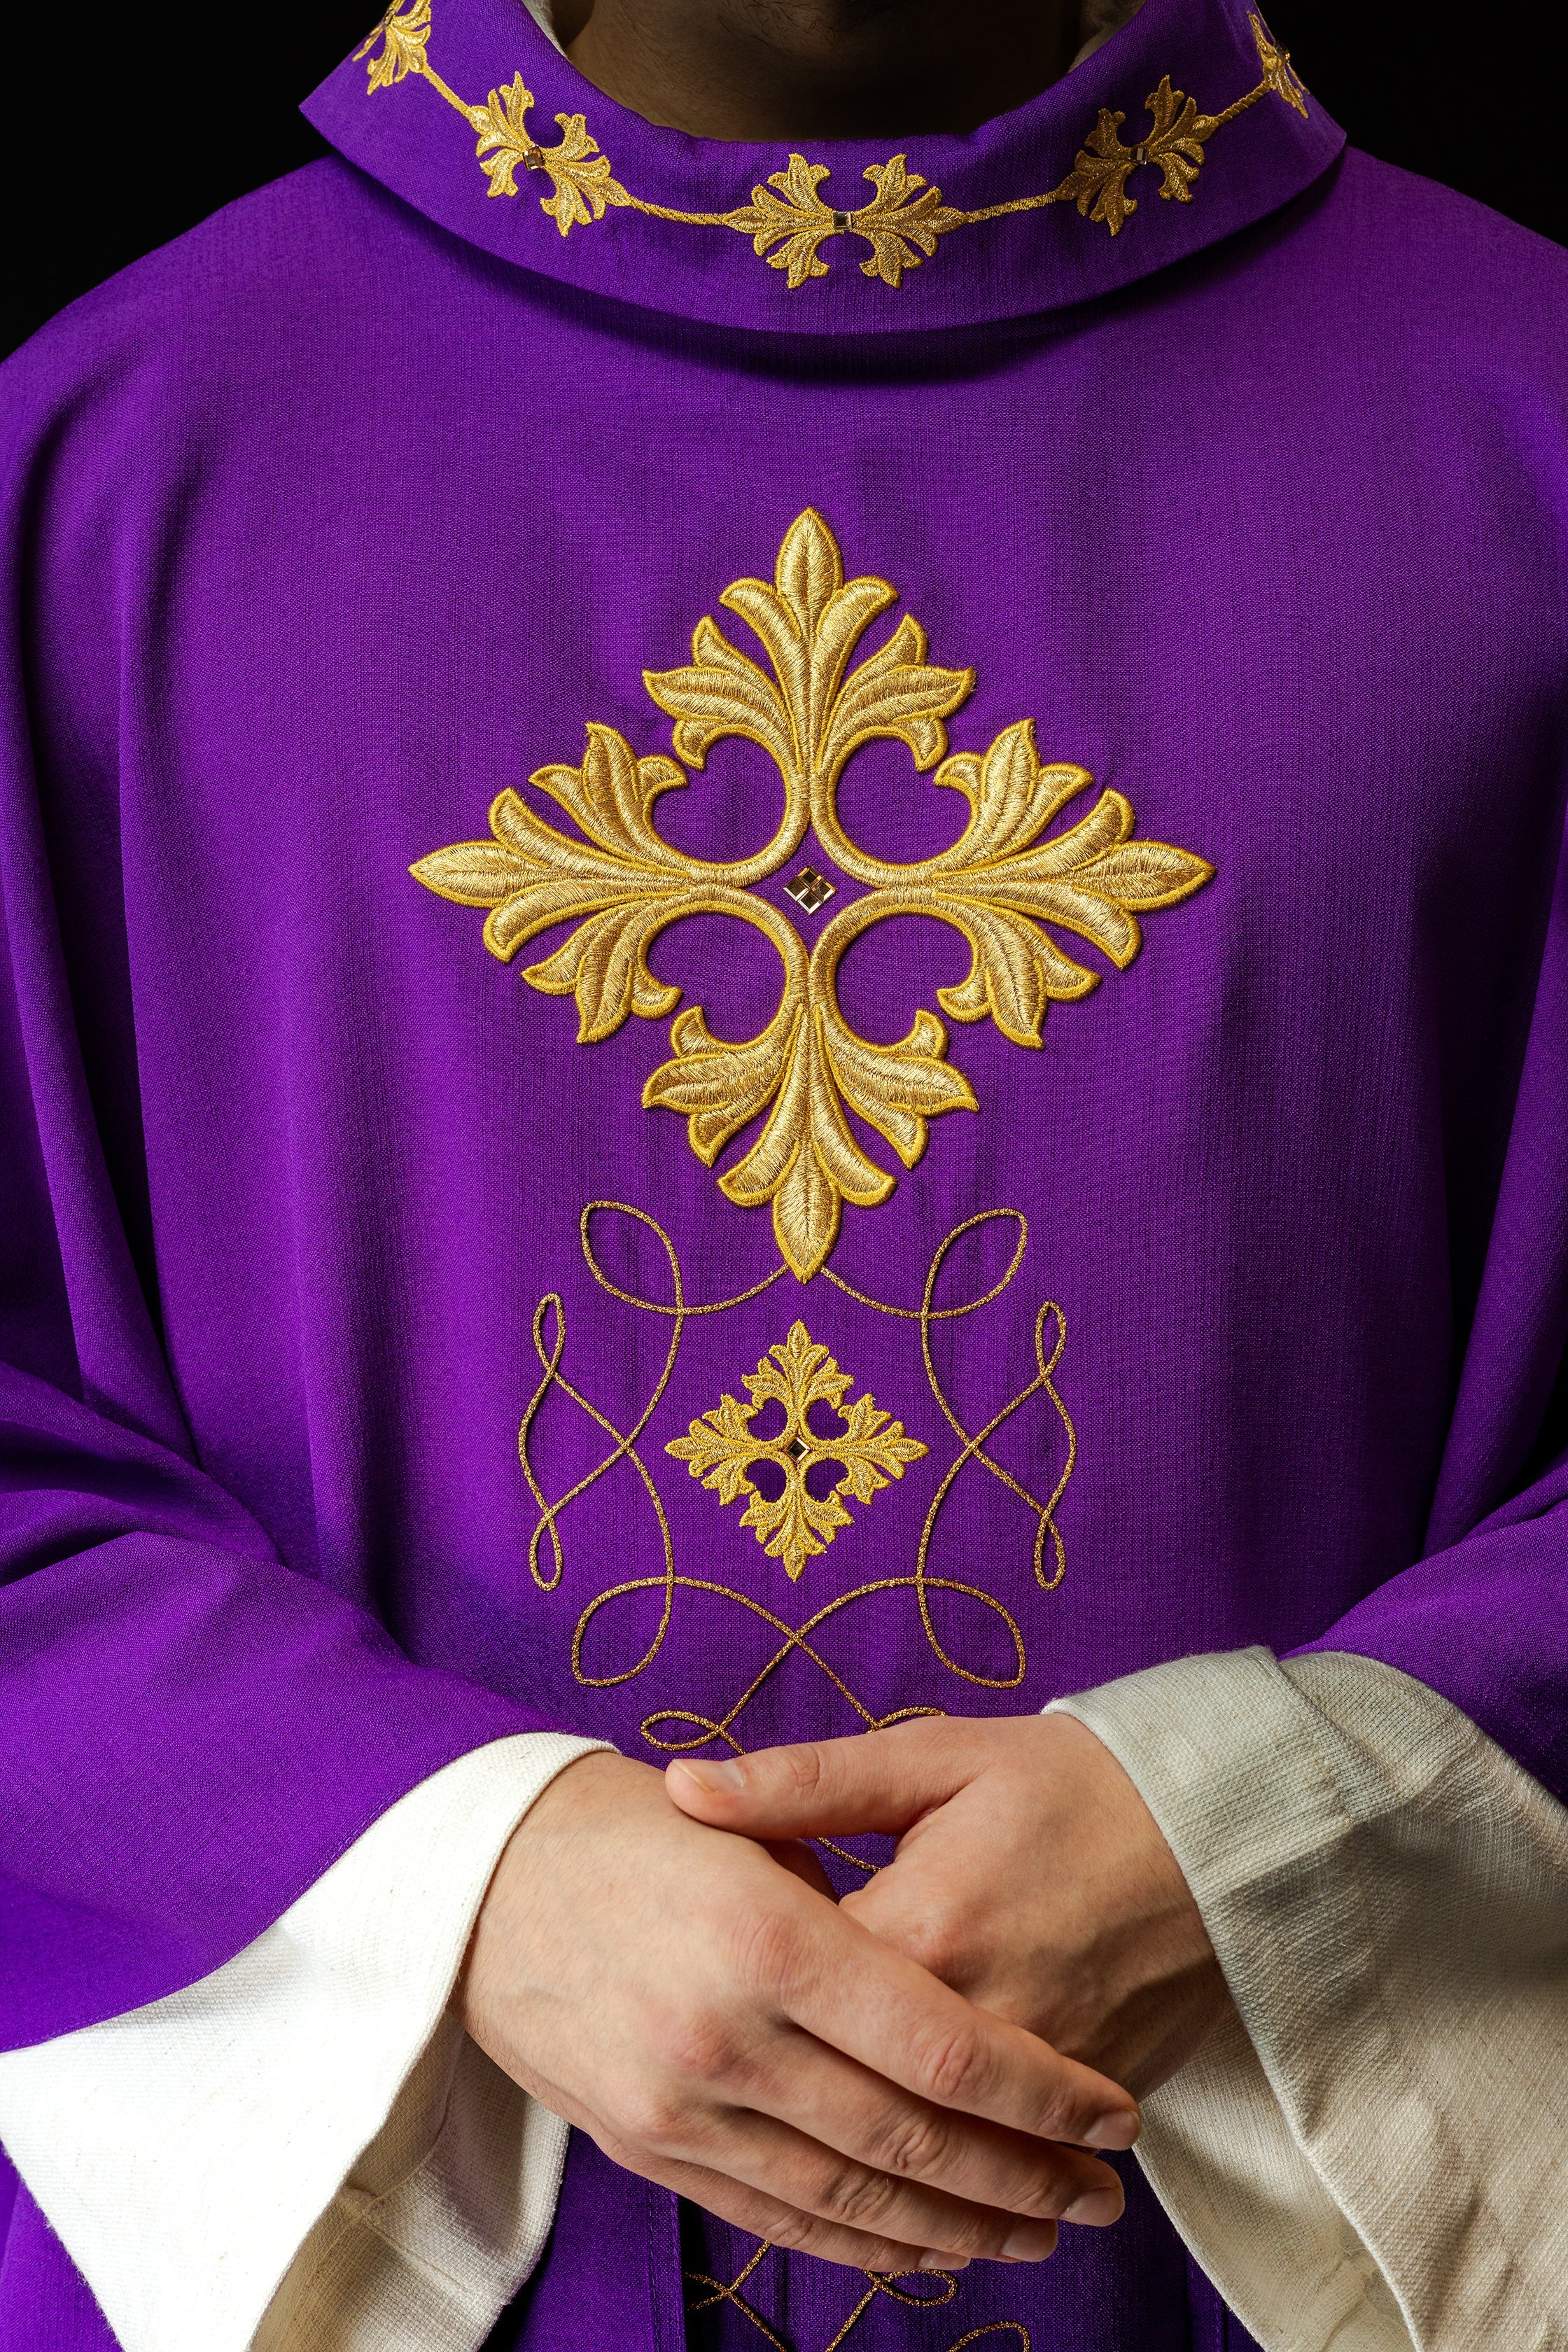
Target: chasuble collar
x,y
1185,126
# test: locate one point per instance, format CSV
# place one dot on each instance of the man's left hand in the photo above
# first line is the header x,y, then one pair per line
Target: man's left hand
x,y
1030,1876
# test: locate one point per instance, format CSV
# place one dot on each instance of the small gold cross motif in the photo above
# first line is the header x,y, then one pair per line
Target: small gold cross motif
x,y
871,1450
810,890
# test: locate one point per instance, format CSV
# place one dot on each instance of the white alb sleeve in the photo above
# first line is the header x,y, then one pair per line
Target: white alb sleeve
x,y
1366,2154
305,2152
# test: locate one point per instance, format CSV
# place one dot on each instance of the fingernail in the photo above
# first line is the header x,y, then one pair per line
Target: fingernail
x,y
1118,2130
1095,2207
929,2262
1032,2241
723,1779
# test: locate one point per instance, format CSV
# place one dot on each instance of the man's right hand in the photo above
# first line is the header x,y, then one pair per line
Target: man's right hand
x,y
718,2025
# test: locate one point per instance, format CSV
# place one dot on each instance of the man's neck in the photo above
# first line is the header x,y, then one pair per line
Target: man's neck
x,y
767,70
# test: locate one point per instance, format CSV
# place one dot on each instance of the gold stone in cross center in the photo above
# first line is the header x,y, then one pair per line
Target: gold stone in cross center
x,y
810,890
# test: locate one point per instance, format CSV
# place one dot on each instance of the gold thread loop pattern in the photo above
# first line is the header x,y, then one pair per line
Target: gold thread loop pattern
x,y
807,1373
794,1640
939,2288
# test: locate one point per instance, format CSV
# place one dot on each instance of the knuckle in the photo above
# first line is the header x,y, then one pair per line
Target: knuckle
x,y
1048,2195
803,1769
891,2256
702,2051
631,2155
765,1949
854,2194
654,2119
792,2231
801,2233
911,2146
1059,2112
929,1937
953,2067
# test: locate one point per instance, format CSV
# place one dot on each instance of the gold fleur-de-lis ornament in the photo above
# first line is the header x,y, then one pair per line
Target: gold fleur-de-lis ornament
x,y
619,884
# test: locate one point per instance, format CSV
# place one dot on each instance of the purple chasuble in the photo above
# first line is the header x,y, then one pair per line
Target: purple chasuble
x,y
783,944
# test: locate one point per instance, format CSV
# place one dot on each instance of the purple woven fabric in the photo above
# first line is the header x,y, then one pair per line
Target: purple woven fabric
x,y
348,513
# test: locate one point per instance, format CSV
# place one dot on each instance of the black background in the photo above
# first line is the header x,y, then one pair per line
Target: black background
x,y
124,127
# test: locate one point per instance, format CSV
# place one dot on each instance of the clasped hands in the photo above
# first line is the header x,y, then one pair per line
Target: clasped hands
x,y
907,2079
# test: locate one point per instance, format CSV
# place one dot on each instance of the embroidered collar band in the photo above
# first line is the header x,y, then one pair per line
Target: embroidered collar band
x,y
465,109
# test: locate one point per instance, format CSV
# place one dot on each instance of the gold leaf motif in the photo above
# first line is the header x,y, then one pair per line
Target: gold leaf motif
x,y
1098,181
786,219
583,181
1007,884
504,138
624,883
809,717
1278,76
795,220
580,176
1003,881
403,36
902,226
1176,142
870,1451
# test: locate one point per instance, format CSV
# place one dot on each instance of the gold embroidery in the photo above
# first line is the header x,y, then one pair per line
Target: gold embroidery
x,y
693,1729
403,33
1099,177
621,884
579,175
786,219
900,225
802,1374
1098,181
796,1525
941,2286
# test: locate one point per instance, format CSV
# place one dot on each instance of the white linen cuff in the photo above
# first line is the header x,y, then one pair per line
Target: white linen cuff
x,y
1366,2153
306,2144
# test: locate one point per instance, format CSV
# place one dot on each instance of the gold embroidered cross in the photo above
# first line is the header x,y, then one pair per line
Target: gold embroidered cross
x,y
1009,884
721,1449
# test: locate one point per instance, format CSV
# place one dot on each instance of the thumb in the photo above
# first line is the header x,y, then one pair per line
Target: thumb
x,y
881,1781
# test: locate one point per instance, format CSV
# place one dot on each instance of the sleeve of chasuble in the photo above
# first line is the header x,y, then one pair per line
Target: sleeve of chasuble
x,y
194,1725
200,1707
220,1774
1482,1617
1374,1828
304,2152
1365,2154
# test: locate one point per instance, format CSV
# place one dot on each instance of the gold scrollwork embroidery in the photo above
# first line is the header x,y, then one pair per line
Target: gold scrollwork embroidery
x,y
804,1373
621,884
786,220
871,1449
938,2287
672,1730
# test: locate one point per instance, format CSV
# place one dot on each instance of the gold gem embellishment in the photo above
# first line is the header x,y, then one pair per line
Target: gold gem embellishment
x,y
786,220
722,1450
620,884
810,890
